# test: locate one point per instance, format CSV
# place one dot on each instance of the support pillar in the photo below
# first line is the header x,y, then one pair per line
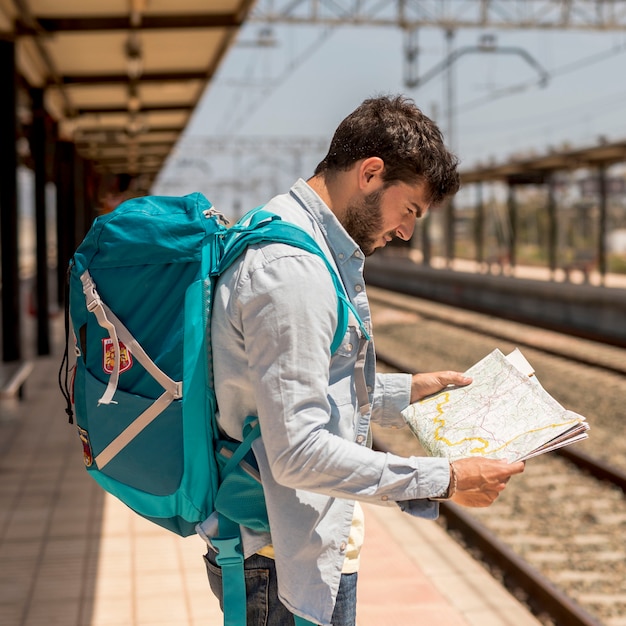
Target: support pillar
x,y
553,228
81,222
11,328
479,225
512,239
450,232
66,209
426,249
38,150
602,220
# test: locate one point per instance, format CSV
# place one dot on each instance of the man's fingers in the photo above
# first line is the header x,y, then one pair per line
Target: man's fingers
x,y
453,378
518,467
480,481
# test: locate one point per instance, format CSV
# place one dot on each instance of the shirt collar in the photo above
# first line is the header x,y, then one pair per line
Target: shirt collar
x,y
341,244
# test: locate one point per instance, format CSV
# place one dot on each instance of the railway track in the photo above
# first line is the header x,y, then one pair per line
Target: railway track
x,y
525,581
556,534
576,350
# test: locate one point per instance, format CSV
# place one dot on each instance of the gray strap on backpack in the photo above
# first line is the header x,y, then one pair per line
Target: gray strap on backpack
x,y
362,394
117,331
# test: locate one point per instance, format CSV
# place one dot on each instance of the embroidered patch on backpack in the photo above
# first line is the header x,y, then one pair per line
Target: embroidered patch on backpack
x,y
108,356
87,452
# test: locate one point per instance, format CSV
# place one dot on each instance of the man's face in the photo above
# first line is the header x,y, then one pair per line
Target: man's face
x,y
376,218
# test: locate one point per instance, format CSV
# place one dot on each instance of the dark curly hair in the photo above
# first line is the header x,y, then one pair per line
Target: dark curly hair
x,y
410,144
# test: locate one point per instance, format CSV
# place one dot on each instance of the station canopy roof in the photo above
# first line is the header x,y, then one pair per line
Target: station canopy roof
x,y
536,169
121,77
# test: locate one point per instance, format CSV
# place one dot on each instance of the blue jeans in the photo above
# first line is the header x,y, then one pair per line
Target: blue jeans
x,y
264,608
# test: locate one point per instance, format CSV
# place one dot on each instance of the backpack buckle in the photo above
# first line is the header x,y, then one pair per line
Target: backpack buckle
x,y
212,212
94,303
228,550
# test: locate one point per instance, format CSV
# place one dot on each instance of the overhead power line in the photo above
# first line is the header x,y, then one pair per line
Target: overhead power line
x,y
516,88
501,14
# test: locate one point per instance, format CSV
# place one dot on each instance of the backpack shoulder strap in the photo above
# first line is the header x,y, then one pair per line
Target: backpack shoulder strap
x,y
262,226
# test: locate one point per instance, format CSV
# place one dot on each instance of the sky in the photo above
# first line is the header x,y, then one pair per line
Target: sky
x,y
538,90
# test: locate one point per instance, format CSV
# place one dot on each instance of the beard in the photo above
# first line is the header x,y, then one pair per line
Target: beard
x,y
364,221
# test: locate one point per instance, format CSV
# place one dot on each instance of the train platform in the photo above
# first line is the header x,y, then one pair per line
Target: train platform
x,y
541,273
71,555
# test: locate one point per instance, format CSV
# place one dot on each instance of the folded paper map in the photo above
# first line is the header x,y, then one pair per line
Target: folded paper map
x,y
504,413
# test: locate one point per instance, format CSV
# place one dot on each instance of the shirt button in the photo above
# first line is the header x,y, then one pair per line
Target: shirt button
x,y
369,388
343,546
385,498
341,255
360,439
357,254
358,288
349,346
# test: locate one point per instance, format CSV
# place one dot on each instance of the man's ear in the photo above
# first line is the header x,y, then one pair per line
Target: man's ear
x,y
371,174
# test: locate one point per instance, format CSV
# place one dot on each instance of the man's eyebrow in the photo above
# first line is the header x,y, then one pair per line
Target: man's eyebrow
x,y
418,209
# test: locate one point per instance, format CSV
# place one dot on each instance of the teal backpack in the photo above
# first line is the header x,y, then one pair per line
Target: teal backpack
x,y
140,294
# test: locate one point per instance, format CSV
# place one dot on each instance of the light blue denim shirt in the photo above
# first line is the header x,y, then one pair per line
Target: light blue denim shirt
x,y
274,317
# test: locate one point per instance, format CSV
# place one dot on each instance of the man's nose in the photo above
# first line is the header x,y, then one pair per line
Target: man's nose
x,y
405,229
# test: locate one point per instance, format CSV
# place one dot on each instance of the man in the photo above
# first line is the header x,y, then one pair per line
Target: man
x,y
274,317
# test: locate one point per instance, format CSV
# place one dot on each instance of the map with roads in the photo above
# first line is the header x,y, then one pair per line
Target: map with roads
x,y
503,414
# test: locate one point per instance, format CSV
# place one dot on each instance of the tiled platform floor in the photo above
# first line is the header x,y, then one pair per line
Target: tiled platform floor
x,y
72,556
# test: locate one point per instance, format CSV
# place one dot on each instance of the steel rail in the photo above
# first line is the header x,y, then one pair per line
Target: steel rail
x,y
519,340
596,467
542,595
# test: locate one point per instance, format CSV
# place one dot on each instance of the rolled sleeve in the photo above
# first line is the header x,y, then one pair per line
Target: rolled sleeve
x,y
426,509
392,394
436,479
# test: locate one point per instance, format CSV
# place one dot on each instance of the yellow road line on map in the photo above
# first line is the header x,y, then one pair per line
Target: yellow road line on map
x,y
481,449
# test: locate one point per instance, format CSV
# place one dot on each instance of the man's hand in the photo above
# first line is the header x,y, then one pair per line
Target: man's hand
x,y
423,385
479,481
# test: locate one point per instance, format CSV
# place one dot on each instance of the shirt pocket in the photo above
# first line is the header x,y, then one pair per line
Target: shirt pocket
x,y
350,343
342,392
